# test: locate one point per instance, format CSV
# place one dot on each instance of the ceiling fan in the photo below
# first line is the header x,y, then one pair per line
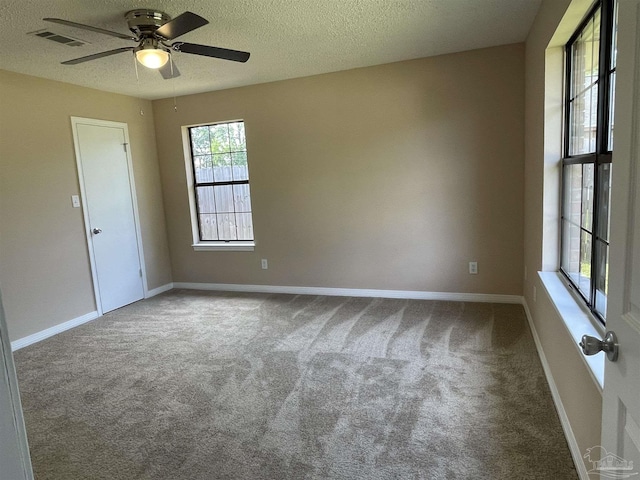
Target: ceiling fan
x,y
152,30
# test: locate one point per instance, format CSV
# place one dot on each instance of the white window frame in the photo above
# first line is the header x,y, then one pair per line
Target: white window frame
x,y
201,245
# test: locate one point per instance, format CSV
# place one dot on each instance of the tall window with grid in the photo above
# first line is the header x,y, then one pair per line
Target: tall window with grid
x,y
588,147
221,182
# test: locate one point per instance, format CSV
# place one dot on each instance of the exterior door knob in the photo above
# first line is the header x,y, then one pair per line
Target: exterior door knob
x,y
96,231
591,345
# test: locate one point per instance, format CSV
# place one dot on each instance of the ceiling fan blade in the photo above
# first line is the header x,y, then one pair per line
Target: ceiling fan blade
x,y
207,51
180,25
169,70
95,56
89,27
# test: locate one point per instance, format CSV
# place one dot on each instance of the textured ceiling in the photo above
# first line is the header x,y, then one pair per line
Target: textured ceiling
x,y
286,38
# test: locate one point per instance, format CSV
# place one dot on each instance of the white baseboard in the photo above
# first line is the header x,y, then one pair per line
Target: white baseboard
x,y
352,292
230,287
157,291
562,414
50,332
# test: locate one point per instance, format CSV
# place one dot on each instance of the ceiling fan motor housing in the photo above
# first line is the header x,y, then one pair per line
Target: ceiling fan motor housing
x,y
143,22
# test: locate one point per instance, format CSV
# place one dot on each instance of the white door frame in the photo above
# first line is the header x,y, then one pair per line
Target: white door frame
x,y
14,448
75,121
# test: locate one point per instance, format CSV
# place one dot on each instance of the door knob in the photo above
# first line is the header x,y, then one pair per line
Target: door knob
x,y
96,231
591,345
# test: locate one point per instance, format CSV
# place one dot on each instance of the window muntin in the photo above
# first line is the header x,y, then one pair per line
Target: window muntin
x,y
221,182
591,63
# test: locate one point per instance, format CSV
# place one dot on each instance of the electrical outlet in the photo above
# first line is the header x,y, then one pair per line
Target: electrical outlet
x,y
473,268
265,264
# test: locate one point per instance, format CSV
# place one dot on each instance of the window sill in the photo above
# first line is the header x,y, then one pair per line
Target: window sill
x,y
224,247
577,319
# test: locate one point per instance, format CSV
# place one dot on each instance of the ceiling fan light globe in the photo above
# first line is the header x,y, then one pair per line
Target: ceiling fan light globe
x,y
152,57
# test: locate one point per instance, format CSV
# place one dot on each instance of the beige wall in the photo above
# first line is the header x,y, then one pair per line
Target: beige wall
x,y
44,266
580,396
390,177
387,177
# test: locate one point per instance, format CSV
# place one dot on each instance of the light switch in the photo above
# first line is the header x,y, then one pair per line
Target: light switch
x,y
75,201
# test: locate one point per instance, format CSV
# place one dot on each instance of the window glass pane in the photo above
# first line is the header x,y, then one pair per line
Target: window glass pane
x,y
240,167
219,138
594,46
602,278
227,226
584,117
224,198
222,167
587,196
244,226
592,121
206,202
604,201
577,67
242,198
572,193
203,167
579,140
571,251
200,141
208,227
237,139
585,53
585,264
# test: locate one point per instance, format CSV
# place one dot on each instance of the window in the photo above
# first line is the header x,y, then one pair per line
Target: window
x,y
588,146
221,183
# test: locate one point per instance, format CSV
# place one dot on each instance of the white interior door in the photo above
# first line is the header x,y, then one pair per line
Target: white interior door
x,y
621,407
106,181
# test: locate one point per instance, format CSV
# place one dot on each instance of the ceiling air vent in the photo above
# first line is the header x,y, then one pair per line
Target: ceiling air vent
x,y
56,37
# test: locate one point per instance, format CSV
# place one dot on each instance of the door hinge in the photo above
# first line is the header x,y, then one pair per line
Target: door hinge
x,y
140,272
125,147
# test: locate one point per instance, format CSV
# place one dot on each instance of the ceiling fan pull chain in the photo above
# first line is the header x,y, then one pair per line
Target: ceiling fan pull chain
x,y
135,65
173,85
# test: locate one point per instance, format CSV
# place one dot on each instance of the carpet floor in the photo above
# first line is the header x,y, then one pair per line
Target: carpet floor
x,y
194,385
